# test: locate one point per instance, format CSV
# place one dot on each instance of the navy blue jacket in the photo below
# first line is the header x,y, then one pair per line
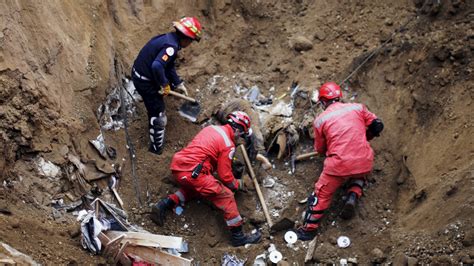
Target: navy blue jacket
x,y
156,60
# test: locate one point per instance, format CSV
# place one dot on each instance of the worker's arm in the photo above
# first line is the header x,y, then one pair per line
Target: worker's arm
x,y
374,125
319,140
160,65
224,169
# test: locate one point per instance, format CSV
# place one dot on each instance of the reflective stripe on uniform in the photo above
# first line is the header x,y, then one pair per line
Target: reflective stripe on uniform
x,y
139,76
180,196
223,134
234,221
336,113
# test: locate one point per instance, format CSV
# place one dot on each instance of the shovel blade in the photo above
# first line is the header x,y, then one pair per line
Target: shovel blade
x,y
190,110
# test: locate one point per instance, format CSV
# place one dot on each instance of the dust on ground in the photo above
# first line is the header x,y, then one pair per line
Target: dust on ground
x,y
59,62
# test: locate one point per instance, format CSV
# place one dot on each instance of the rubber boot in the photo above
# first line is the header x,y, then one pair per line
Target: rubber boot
x,y
348,210
157,151
239,238
158,211
305,235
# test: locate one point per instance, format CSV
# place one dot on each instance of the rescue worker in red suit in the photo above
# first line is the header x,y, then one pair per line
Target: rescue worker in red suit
x,y
212,149
341,133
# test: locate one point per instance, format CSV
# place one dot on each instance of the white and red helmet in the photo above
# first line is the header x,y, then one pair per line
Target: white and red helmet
x,y
329,91
190,27
240,120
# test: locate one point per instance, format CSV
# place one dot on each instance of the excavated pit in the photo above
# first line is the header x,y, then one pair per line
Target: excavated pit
x,y
59,62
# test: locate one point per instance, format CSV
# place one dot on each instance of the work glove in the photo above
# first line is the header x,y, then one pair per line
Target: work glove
x,y
182,89
250,147
237,169
246,183
165,90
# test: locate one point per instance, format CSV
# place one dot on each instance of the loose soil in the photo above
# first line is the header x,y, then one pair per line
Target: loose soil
x,y
59,61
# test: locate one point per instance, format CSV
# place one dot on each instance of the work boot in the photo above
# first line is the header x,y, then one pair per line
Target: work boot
x,y
158,211
348,210
305,235
157,151
240,239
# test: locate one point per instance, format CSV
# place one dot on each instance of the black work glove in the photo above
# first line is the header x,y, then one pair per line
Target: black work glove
x,y
369,135
237,169
250,147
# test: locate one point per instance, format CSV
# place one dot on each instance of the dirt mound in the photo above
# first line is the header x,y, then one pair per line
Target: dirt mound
x,y
59,62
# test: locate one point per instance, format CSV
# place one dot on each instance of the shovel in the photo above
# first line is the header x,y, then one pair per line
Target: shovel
x,y
189,109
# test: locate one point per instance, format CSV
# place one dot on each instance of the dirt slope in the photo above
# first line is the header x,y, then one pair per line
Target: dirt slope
x,y
59,60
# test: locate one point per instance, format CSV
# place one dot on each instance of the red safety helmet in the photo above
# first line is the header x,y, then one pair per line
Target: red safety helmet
x,y
190,27
240,119
329,91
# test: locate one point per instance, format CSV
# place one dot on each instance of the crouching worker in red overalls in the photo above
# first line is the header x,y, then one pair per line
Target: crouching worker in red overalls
x,y
342,133
211,150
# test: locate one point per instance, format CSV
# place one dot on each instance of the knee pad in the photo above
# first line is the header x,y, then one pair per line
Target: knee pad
x,y
157,130
357,183
159,121
311,205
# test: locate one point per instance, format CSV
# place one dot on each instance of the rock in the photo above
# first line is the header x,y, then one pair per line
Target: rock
x,y
400,259
320,35
442,54
301,43
442,260
420,195
74,231
377,256
352,260
261,40
468,238
451,190
388,22
412,261
283,263
467,260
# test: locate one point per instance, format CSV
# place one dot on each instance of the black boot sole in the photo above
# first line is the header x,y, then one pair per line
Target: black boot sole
x,y
155,216
348,211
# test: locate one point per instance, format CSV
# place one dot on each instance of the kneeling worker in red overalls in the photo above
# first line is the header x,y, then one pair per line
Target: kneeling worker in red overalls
x,y
341,133
212,149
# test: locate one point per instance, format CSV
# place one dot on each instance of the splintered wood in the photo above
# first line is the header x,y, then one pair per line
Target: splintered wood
x,y
122,246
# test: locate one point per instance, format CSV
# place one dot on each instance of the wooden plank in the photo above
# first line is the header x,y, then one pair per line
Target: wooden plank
x,y
113,245
149,239
117,197
153,255
310,252
120,252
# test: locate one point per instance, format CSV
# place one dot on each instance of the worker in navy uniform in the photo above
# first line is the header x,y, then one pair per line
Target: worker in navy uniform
x,y
154,74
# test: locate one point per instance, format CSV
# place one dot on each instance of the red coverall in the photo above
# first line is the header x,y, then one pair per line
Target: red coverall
x,y
340,133
214,146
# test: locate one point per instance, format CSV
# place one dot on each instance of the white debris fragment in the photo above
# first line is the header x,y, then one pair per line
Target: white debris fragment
x,y
268,182
47,168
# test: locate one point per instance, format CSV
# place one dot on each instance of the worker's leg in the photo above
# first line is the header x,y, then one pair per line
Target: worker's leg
x,y
353,193
155,106
185,193
318,203
223,198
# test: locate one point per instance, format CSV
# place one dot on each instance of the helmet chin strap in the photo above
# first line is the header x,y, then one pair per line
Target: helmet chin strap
x,y
325,104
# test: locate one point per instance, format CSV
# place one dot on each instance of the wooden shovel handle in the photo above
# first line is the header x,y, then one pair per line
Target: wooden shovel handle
x,y
306,155
257,186
182,96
